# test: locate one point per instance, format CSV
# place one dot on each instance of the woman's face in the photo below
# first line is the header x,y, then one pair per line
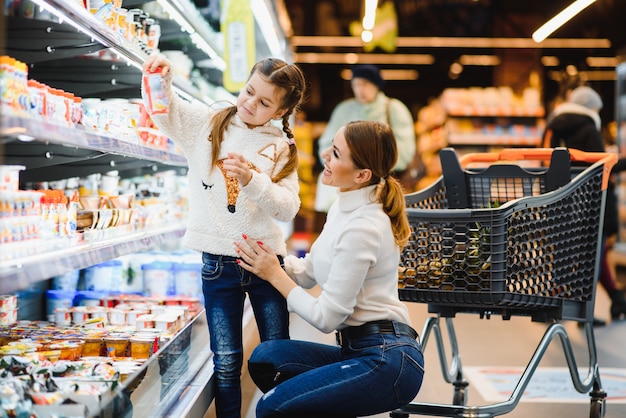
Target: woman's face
x,y
259,101
339,170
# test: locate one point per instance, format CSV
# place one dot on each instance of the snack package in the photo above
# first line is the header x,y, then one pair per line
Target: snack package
x,y
155,96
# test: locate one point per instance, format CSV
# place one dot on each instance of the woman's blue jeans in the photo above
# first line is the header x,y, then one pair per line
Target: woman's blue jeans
x,y
225,286
369,375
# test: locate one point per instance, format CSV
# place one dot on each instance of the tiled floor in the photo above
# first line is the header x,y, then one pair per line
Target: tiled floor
x,y
495,342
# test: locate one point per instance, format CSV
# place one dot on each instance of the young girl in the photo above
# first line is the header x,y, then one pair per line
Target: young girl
x,y
242,177
378,365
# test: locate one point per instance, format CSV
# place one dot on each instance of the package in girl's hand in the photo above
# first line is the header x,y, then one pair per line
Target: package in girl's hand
x,y
155,96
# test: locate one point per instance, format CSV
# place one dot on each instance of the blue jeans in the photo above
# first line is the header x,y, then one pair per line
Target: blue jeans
x,y
225,286
369,375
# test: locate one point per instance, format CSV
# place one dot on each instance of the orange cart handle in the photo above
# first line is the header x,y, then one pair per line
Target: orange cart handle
x,y
543,154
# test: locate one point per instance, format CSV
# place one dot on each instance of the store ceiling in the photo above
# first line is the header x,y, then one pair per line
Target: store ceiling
x,y
421,21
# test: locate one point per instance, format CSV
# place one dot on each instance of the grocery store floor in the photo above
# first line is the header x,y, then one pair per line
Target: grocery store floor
x,y
506,345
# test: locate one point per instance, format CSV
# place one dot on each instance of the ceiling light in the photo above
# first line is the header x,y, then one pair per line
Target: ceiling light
x,y
367,36
336,58
597,75
268,27
369,18
602,61
550,61
387,75
455,42
479,60
560,19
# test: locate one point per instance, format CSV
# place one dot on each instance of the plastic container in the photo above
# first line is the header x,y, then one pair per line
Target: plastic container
x,y
67,281
58,299
141,347
10,177
187,278
93,346
103,277
117,345
157,278
88,298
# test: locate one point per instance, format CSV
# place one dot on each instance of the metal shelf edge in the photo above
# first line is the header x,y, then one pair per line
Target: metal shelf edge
x,y
20,273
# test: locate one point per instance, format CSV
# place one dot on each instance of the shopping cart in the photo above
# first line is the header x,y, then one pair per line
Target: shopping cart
x,y
496,235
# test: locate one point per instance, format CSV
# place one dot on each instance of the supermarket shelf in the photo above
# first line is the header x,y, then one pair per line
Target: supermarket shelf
x,y
22,272
50,151
177,377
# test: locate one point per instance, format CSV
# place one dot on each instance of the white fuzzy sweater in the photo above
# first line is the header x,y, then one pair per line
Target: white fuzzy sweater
x,y
219,215
355,262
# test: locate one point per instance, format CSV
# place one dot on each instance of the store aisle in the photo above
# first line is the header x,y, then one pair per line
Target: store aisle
x,y
510,344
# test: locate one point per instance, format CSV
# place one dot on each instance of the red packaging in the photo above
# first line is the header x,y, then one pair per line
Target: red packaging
x,y
155,96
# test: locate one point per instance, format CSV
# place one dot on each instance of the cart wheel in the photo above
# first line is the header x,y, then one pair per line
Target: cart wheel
x,y
460,393
598,404
597,408
459,397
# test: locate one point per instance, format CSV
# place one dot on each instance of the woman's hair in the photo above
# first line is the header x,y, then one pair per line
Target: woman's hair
x,y
373,146
287,77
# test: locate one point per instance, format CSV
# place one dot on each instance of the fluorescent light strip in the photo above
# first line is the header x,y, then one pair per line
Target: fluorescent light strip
x,y
176,16
202,44
387,75
560,19
335,58
369,18
268,29
595,75
550,61
479,60
454,42
602,61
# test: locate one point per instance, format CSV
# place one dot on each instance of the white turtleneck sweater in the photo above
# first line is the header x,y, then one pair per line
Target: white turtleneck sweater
x,y
355,262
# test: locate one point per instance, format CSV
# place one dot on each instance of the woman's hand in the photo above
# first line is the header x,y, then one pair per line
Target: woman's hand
x,y
236,166
260,260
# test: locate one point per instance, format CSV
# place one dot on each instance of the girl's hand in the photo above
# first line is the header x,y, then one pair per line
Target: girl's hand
x,y
237,166
158,61
258,259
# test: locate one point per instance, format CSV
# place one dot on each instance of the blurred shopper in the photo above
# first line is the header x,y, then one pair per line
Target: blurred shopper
x,y
370,103
378,365
576,123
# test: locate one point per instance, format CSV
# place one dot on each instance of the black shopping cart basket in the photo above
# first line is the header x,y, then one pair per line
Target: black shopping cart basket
x,y
512,233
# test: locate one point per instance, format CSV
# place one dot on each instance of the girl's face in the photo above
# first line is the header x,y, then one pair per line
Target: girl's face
x,y
259,101
339,170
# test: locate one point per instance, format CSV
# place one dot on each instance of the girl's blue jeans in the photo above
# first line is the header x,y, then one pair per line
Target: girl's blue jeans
x,y
225,286
369,375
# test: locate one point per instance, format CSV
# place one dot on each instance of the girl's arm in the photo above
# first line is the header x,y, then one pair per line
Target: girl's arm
x,y
184,120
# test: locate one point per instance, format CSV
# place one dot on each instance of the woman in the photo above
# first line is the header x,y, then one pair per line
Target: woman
x,y
378,365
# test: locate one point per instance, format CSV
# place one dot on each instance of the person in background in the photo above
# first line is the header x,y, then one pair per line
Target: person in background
x,y
576,123
242,177
369,103
378,365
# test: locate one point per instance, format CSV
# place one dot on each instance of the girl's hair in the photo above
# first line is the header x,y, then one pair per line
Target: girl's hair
x,y
373,146
287,77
